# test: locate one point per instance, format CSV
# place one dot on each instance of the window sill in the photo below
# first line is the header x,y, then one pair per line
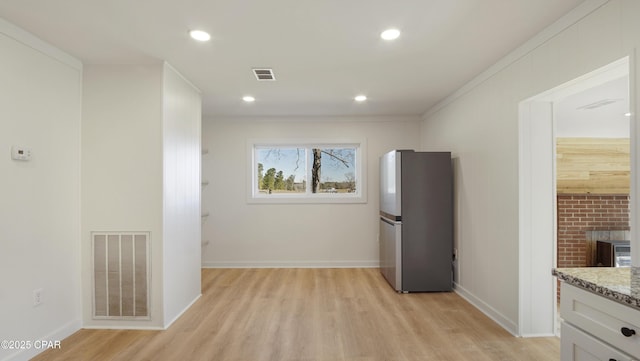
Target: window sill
x,y
319,199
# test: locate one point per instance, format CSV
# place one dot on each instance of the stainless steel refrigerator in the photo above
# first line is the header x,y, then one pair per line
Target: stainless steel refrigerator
x,y
416,220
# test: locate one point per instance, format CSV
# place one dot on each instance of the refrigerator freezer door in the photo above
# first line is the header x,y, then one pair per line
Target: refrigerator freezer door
x,y
391,252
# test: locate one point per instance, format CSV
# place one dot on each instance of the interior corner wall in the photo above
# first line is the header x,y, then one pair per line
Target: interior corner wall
x,y
122,170
181,194
479,124
40,100
292,235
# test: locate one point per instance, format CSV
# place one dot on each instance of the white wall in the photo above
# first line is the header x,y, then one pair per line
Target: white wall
x,y
181,192
40,95
141,172
291,235
122,169
479,124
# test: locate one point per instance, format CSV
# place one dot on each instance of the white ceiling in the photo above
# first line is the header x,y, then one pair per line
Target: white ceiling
x,y
323,52
606,121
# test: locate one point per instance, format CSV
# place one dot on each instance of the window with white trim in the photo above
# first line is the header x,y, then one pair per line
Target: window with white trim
x,y
307,172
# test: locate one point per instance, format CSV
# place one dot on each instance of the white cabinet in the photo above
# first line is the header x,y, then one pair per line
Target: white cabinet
x,y
580,346
597,328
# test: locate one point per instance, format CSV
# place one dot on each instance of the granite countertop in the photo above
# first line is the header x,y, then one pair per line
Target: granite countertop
x,y
621,284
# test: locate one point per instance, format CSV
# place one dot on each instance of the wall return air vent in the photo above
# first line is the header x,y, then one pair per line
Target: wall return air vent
x,y
264,74
121,268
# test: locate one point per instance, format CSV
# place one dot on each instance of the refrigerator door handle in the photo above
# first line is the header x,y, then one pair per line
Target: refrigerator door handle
x,y
385,220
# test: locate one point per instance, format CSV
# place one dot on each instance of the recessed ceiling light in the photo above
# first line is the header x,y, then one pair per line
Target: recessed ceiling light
x,y
360,98
248,98
627,114
390,34
200,35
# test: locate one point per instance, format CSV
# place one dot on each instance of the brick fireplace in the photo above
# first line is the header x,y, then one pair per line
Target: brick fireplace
x,y
580,216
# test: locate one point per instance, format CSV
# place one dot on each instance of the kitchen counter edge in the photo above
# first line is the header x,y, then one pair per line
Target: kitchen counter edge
x,y
619,284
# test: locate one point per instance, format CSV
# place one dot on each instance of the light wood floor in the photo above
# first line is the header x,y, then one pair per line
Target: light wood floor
x,y
312,315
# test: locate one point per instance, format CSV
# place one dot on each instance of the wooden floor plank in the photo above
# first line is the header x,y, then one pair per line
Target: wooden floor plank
x,y
312,315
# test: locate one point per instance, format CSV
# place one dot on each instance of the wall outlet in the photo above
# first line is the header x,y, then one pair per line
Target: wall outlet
x,y
37,297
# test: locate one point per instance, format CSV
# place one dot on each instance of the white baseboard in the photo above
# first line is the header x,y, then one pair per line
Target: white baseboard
x,y
168,324
291,264
533,335
127,327
149,328
491,312
57,335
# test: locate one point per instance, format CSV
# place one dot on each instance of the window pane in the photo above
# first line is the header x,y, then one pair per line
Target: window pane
x,y
307,172
281,170
334,170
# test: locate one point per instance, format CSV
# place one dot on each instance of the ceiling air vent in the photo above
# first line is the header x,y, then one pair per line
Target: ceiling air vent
x,y
264,74
598,104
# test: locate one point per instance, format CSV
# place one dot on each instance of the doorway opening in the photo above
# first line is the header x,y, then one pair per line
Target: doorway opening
x,y
538,218
593,172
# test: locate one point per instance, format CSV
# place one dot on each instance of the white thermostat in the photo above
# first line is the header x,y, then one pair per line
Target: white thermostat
x,y
20,153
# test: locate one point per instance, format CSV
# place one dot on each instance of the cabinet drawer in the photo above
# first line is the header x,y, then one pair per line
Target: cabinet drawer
x,y
602,318
579,346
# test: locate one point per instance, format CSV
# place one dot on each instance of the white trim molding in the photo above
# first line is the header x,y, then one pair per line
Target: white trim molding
x,y
575,15
485,308
38,44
